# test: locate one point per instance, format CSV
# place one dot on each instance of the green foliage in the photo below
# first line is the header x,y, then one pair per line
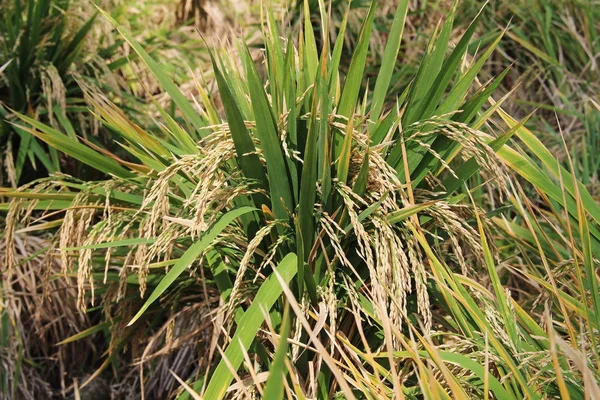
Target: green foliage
x,y
41,41
309,192
552,45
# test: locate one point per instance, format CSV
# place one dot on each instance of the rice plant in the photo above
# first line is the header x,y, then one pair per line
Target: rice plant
x,y
52,52
553,46
299,235
41,40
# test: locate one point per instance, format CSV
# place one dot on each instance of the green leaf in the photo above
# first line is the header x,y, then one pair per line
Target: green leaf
x,y
336,55
115,243
406,212
266,131
476,102
269,292
187,144
360,185
388,62
42,205
72,51
464,362
310,47
459,90
324,136
343,163
501,298
420,94
448,70
87,332
308,195
244,147
72,148
428,72
292,111
591,271
356,70
278,370
541,179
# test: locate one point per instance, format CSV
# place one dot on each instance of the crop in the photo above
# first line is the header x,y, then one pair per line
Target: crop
x,y
311,238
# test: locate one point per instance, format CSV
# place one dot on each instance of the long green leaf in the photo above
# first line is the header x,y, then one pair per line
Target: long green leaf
x,y
388,62
357,67
266,131
278,371
244,147
248,327
72,148
549,161
465,363
428,71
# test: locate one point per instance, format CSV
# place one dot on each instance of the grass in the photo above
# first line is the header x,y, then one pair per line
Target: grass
x,y
54,53
38,48
552,45
298,233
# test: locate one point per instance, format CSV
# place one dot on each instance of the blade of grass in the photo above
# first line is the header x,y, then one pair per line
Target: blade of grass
x,y
388,62
266,130
72,148
248,327
354,77
244,147
277,370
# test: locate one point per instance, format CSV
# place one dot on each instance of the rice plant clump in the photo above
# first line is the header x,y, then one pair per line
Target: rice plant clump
x,y
311,238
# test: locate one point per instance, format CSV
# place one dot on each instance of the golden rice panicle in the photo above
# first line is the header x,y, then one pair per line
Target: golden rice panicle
x,y
54,91
74,230
463,237
20,211
251,249
418,264
9,239
472,145
9,164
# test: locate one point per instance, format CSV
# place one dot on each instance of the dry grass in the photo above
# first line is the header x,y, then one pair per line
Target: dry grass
x,y
39,307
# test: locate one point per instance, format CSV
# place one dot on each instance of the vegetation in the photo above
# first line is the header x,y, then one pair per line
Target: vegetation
x,y
328,213
552,45
42,41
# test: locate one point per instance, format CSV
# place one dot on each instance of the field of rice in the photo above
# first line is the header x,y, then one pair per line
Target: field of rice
x,y
299,199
